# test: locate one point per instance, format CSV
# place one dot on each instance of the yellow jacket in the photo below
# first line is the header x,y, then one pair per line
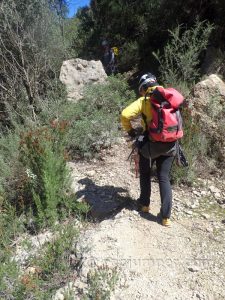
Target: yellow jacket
x,y
141,106
136,108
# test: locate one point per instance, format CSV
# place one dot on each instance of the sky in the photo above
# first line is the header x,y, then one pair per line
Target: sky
x,y
75,4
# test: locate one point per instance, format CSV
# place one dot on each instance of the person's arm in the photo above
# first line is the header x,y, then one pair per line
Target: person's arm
x,y
129,113
111,57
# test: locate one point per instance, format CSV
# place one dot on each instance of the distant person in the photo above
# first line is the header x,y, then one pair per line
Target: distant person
x,y
162,153
108,59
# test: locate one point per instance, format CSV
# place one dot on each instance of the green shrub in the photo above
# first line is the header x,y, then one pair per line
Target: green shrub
x,y
195,146
94,120
9,145
181,57
10,286
91,134
54,257
54,264
43,155
129,56
11,227
101,283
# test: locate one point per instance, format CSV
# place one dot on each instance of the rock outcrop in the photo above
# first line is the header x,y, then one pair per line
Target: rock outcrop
x,y
76,73
208,109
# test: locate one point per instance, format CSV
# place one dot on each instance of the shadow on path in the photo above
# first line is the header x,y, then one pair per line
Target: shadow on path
x,y
150,217
105,201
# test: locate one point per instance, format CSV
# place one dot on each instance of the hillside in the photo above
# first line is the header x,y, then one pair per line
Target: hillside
x,y
136,257
69,224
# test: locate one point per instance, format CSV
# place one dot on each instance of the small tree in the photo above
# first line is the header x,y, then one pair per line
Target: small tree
x,y
47,177
30,42
180,61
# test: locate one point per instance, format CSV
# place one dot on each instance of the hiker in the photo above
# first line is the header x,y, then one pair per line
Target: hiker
x,y
162,153
108,59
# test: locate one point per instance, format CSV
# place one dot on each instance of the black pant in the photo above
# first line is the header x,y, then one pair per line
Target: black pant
x,y
163,165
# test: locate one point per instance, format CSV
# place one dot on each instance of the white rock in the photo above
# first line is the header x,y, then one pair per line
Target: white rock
x,y
204,193
188,212
90,173
76,73
58,295
214,189
197,193
217,195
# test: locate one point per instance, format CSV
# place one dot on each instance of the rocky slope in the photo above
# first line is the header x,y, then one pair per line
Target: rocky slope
x,y
153,262
186,261
136,257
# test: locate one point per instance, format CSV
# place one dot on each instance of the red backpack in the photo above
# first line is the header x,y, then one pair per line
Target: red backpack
x,y
166,123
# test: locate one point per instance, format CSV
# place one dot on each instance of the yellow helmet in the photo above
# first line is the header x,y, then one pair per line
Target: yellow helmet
x,y
115,50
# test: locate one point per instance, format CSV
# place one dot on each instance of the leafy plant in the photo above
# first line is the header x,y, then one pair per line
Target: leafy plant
x,y
181,55
47,178
195,146
129,56
95,120
55,255
101,283
53,265
9,145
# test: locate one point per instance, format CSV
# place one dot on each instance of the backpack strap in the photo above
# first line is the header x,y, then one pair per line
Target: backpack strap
x,y
145,120
179,120
144,116
159,97
159,111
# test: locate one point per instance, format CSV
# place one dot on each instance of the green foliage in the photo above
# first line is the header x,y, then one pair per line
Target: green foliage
x,y
101,283
55,255
195,146
95,119
73,38
53,264
11,227
10,286
31,53
9,145
145,23
43,156
180,61
129,56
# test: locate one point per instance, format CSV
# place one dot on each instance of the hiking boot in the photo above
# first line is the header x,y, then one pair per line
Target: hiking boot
x,y
166,222
145,209
141,207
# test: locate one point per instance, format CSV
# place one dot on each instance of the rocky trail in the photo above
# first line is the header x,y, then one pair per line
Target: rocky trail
x,y
186,261
135,257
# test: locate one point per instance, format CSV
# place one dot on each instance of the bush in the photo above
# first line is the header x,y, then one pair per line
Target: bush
x,y
181,58
43,155
101,283
54,258
9,145
95,119
53,265
195,147
129,56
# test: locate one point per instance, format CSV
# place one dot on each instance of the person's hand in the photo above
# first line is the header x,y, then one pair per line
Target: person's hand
x,y
132,133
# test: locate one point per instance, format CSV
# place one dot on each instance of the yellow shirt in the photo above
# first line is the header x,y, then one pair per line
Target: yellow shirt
x,y
141,106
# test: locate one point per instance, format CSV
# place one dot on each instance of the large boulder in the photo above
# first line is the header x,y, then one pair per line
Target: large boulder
x,y
208,110
208,96
76,73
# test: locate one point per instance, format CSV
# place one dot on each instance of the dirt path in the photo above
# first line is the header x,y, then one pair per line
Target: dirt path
x,y
186,261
